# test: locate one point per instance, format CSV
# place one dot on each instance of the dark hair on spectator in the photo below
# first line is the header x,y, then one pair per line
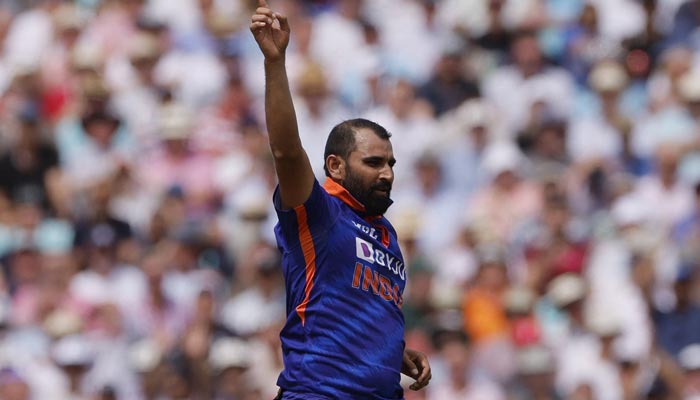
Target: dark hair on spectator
x,y
441,336
341,140
524,33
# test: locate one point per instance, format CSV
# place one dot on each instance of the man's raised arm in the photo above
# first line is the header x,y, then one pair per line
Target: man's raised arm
x,y
271,32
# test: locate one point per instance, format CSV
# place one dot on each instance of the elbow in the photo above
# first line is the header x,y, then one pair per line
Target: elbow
x,y
287,154
280,154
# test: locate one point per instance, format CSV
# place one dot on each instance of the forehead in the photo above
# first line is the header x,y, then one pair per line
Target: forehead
x,y
367,143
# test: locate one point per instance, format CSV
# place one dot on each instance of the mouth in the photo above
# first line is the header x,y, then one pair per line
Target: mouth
x,y
383,192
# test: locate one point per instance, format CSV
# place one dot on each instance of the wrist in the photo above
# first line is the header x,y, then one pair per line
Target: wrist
x,y
280,60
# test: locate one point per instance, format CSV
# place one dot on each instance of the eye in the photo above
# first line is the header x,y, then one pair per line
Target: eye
x,y
374,162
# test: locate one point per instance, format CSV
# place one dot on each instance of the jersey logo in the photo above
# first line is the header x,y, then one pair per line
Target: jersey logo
x,y
364,250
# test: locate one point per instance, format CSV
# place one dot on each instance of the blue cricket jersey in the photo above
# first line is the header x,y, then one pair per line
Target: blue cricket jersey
x,y
345,276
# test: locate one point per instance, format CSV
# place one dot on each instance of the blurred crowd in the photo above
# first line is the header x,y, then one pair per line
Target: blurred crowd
x,y
547,192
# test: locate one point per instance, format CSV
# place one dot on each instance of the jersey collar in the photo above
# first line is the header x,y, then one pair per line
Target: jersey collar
x,y
335,189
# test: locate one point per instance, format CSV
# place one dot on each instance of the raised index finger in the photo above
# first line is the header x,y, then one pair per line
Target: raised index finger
x,y
262,3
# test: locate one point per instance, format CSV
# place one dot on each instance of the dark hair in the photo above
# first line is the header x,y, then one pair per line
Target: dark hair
x,y
524,33
341,140
100,116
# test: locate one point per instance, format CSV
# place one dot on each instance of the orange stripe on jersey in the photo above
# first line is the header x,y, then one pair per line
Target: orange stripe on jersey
x,y
307,245
335,189
386,238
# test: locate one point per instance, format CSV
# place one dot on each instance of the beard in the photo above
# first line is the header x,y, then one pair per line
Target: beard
x,y
375,203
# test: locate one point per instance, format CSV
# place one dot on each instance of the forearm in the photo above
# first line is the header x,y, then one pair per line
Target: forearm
x,y
279,113
292,165
296,178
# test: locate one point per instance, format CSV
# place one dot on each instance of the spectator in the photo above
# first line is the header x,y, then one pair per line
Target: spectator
x,y
515,89
27,167
470,129
689,360
461,380
524,325
175,164
409,118
676,328
432,202
230,361
448,87
554,246
317,111
582,356
12,386
259,306
535,378
586,44
484,316
663,194
687,230
502,163
684,24
609,120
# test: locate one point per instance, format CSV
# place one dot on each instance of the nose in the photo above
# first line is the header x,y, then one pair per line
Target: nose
x,y
387,173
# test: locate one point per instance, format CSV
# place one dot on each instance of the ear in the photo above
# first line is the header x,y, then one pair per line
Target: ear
x,y
336,167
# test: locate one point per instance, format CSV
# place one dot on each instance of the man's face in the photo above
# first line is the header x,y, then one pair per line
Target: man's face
x,y
527,55
369,173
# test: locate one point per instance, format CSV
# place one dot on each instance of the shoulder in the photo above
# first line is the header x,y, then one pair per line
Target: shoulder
x,y
319,212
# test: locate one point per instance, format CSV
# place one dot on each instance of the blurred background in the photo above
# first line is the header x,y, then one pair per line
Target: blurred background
x,y
547,192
